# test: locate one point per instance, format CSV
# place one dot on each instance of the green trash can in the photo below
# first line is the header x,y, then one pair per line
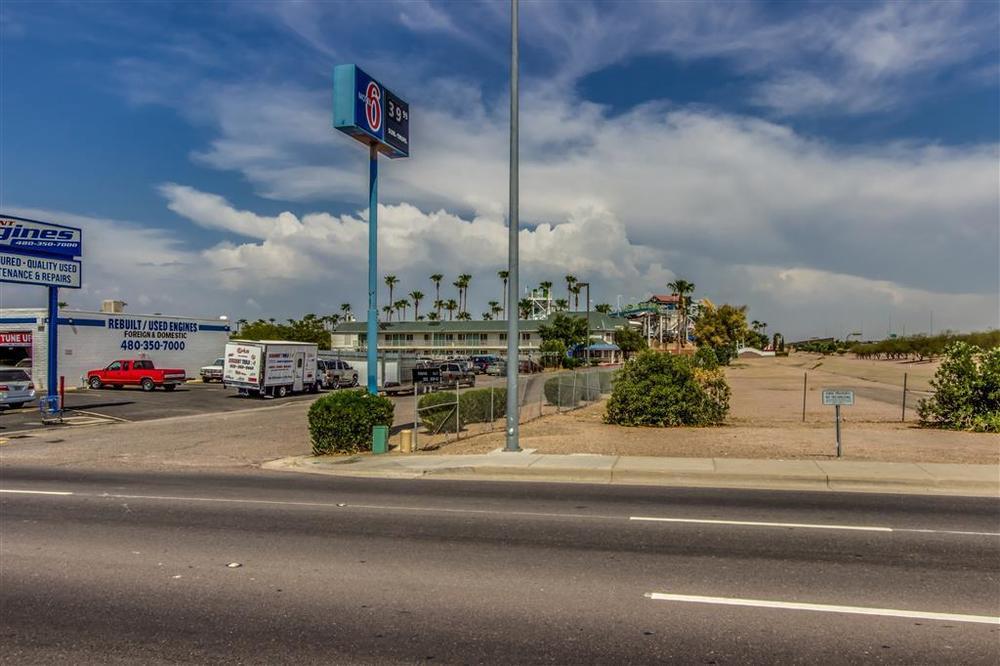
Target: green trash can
x,y
380,439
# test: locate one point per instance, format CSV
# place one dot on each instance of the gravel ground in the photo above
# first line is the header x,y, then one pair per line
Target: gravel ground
x,y
766,420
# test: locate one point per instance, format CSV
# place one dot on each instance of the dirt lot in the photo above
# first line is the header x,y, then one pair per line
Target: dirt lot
x,y
766,419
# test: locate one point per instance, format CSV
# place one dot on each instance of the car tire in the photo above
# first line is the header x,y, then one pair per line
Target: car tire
x,y
280,391
116,386
147,384
95,383
169,387
354,381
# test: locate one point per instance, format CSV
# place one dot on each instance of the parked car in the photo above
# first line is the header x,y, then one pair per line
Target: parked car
x,y
16,388
453,371
481,362
23,363
136,372
497,369
213,372
334,373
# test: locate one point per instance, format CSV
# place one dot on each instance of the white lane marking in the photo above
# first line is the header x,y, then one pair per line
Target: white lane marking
x,y
753,523
825,608
34,492
810,526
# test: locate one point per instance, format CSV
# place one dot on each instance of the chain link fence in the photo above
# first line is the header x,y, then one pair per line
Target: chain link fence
x,y
457,412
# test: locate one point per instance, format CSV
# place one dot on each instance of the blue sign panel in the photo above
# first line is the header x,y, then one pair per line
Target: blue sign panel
x,y
24,236
364,109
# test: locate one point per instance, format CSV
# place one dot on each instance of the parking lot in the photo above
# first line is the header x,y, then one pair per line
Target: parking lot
x,y
133,404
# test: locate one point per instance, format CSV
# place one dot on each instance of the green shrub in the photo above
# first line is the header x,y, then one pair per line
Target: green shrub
x,y
473,407
966,390
655,389
341,422
706,358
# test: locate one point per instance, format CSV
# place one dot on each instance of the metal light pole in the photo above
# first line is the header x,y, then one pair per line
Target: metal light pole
x,y
513,337
587,347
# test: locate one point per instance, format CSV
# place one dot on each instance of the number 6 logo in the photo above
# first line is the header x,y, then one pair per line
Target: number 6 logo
x,y
373,106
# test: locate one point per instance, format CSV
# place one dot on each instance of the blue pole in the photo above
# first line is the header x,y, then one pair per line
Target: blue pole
x,y
52,378
372,269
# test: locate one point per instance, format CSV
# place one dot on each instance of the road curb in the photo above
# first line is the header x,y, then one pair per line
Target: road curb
x,y
362,466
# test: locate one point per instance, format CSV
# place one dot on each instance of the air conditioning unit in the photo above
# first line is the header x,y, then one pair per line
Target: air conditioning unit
x,y
113,307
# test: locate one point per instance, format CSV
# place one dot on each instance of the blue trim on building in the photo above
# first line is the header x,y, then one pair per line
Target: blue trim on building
x,y
73,321
18,320
213,327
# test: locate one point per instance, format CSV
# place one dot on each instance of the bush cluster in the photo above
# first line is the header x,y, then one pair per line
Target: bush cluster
x,y
966,390
438,413
568,389
924,346
341,422
656,389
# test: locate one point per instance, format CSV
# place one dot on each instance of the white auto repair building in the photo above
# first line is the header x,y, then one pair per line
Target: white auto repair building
x,y
92,340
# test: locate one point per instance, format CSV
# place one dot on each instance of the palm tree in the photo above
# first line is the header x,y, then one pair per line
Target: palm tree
x,y
402,304
504,275
487,316
387,309
575,289
464,279
494,309
417,296
682,288
562,304
464,316
457,284
436,279
603,308
438,304
433,316
545,286
346,309
524,308
391,281
240,323
570,281
450,305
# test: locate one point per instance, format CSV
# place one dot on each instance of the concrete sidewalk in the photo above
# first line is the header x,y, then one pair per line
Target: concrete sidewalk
x,y
837,475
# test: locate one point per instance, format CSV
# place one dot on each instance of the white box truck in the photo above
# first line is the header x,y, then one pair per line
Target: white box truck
x,y
270,367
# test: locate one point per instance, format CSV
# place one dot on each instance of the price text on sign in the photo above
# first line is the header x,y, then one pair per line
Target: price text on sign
x,y
366,110
838,397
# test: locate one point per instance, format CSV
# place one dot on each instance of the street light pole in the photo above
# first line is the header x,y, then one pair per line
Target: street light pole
x,y
513,337
587,347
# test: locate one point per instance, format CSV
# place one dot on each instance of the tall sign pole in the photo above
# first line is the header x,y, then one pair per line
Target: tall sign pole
x,y
513,341
366,110
46,254
372,269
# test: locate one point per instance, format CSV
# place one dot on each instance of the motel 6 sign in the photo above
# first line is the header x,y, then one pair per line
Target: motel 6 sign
x,y
368,111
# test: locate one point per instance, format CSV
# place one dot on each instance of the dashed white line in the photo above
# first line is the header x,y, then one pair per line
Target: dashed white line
x,y
808,526
755,523
826,608
34,492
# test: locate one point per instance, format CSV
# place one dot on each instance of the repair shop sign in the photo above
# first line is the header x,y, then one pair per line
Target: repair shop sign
x,y
15,339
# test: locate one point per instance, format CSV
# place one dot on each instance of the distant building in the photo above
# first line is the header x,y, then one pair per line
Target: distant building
x,y
659,318
461,338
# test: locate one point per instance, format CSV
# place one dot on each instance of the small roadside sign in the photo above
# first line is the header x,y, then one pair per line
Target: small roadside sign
x,y
838,397
427,375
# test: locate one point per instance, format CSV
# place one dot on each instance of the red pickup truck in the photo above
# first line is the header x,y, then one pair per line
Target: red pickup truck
x,y
136,372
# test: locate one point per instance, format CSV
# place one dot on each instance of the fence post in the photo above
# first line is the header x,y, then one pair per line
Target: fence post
x,y
416,417
491,409
572,396
458,415
903,419
805,381
541,396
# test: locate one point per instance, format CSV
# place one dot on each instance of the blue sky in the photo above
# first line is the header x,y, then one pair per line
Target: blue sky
x,y
825,163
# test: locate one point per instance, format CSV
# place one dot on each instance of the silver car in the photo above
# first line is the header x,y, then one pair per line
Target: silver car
x,y
16,388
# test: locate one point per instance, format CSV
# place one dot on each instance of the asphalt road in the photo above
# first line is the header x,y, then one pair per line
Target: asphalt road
x,y
132,568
